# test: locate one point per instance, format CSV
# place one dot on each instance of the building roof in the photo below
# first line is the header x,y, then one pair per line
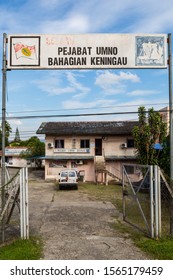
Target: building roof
x,y
87,128
13,151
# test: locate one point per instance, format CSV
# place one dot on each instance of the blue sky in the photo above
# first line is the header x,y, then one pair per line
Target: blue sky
x,y
56,92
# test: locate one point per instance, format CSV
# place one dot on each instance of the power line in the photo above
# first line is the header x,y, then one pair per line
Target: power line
x,y
78,115
85,108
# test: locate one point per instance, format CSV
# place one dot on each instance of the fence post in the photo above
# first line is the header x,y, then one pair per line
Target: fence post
x,y
24,217
123,180
21,206
151,201
159,204
156,202
26,203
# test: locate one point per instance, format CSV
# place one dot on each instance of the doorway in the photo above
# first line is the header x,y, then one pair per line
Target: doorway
x,y
98,147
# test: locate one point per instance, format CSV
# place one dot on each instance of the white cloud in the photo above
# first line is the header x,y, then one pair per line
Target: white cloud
x,y
51,4
15,122
61,83
113,83
151,17
71,77
97,103
142,92
109,78
78,16
70,24
52,84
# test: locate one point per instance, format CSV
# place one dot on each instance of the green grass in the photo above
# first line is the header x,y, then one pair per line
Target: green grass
x,y
161,249
22,250
112,193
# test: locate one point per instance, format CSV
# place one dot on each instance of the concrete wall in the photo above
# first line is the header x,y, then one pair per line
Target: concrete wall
x,y
111,146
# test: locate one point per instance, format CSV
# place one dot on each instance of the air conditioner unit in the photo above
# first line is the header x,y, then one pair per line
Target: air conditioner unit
x,y
123,145
50,145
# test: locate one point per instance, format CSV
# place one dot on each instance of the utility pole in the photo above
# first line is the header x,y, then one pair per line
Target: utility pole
x,y
170,124
4,70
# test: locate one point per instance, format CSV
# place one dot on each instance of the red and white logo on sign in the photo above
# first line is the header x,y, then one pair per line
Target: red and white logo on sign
x,y
25,51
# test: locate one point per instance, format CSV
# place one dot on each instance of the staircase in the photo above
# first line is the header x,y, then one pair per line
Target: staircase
x,y
100,163
100,168
114,176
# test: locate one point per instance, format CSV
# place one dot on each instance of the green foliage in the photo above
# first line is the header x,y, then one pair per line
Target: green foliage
x,y
7,134
150,130
22,250
164,159
35,148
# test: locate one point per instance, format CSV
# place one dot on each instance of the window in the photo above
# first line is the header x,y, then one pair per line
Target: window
x,y
84,143
59,143
130,143
72,174
129,169
64,174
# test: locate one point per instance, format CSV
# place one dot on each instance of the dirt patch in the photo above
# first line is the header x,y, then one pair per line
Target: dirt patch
x,y
74,227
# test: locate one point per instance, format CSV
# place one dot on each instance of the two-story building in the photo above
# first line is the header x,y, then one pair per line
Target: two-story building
x,y
95,149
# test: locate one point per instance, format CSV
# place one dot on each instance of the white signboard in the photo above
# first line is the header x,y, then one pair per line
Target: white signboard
x,y
71,150
87,51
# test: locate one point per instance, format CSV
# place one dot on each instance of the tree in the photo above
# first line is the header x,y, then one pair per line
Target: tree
x,y
17,136
35,149
164,159
151,130
7,134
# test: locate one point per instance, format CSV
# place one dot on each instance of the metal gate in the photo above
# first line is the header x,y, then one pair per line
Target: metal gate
x,y
142,198
14,202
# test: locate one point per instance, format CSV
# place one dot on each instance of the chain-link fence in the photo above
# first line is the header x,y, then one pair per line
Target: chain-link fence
x,y
166,205
146,199
136,197
13,204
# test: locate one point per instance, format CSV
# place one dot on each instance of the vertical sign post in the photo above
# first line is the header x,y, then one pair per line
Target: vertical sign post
x,y
4,70
170,123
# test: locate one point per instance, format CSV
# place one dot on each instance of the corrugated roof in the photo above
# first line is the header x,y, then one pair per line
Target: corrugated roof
x,y
87,128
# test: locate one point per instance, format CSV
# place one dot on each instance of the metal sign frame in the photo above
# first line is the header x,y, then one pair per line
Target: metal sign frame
x,y
87,51
34,61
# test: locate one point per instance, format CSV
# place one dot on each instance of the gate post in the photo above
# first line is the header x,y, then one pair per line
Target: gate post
x,y
4,89
123,183
24,217
157,202
151,201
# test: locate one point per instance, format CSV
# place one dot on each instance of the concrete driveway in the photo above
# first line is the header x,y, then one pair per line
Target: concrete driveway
x,y
75,227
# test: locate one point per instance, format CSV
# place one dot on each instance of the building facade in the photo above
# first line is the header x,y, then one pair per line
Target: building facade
x,y
13,158
96,150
